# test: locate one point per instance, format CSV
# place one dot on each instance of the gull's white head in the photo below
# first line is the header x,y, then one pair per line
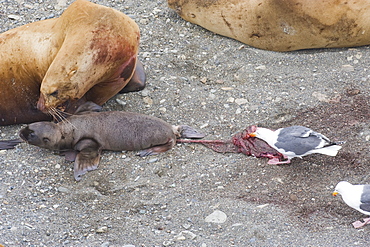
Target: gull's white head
x,y
265,134
342,187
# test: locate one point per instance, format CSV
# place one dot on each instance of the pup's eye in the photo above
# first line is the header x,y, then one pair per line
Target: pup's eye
x,y
46,140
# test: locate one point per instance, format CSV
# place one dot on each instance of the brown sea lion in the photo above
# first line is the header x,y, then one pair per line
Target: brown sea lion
x,y
84,136
282,25
89,53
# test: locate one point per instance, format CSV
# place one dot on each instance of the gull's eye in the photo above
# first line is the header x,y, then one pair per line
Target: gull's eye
x,y
46,140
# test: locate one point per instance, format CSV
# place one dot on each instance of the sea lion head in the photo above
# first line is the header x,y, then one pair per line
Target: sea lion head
x,y
42,134
97,57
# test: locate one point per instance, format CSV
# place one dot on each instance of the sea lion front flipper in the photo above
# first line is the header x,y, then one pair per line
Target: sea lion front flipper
x,y
9,144
188,132
88,107
157,149
69,155
88,157
137,81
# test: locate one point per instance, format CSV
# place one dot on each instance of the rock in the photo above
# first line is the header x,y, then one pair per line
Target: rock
x,y
106,244
230,100
185,235
216,217
262,206
153,160
241,101
102,229
14,17
203,80
145,92
348,67
144,21
167,243
186,226
189,235
261,67
63,189
352,91
148,101
180,237
121,102
320,96
293,197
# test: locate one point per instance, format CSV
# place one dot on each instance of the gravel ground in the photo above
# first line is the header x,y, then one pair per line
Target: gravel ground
x,y
192,196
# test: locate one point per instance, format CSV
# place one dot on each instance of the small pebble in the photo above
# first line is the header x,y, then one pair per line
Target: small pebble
x,y
348,67
189,235
241,101
102,229
14,17
145,92
153,160
262,206
320,96
144,21
180,238
106,244
148,100
216,217
186,226
261,67
167,243
121,102
63,190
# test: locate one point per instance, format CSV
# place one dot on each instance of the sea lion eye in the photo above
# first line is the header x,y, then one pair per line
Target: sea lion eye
x,y
46,140
54,94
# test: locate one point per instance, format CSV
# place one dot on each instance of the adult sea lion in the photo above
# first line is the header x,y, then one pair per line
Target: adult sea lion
x,y
84,136
89,53
282,25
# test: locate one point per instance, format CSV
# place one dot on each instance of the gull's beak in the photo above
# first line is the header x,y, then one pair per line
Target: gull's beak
x,y
335,193
253,134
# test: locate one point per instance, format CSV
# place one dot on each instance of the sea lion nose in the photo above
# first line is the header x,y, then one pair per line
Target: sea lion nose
x,y
41,103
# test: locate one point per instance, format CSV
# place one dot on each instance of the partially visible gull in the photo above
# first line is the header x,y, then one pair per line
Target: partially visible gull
x,y
357,197
297,141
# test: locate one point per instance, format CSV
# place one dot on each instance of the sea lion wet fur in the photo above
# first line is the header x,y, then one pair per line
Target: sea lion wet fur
x,y
88,134
282,25
89,53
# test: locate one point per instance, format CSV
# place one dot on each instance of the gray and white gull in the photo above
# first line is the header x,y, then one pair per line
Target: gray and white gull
x,y
297,141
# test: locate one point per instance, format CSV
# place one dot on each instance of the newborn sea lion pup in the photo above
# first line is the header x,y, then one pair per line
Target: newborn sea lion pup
x,y
85,136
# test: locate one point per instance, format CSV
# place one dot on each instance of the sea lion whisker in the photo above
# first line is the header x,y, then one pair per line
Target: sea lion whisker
x,y
55,114
65,113
64,118
51,113
59,115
